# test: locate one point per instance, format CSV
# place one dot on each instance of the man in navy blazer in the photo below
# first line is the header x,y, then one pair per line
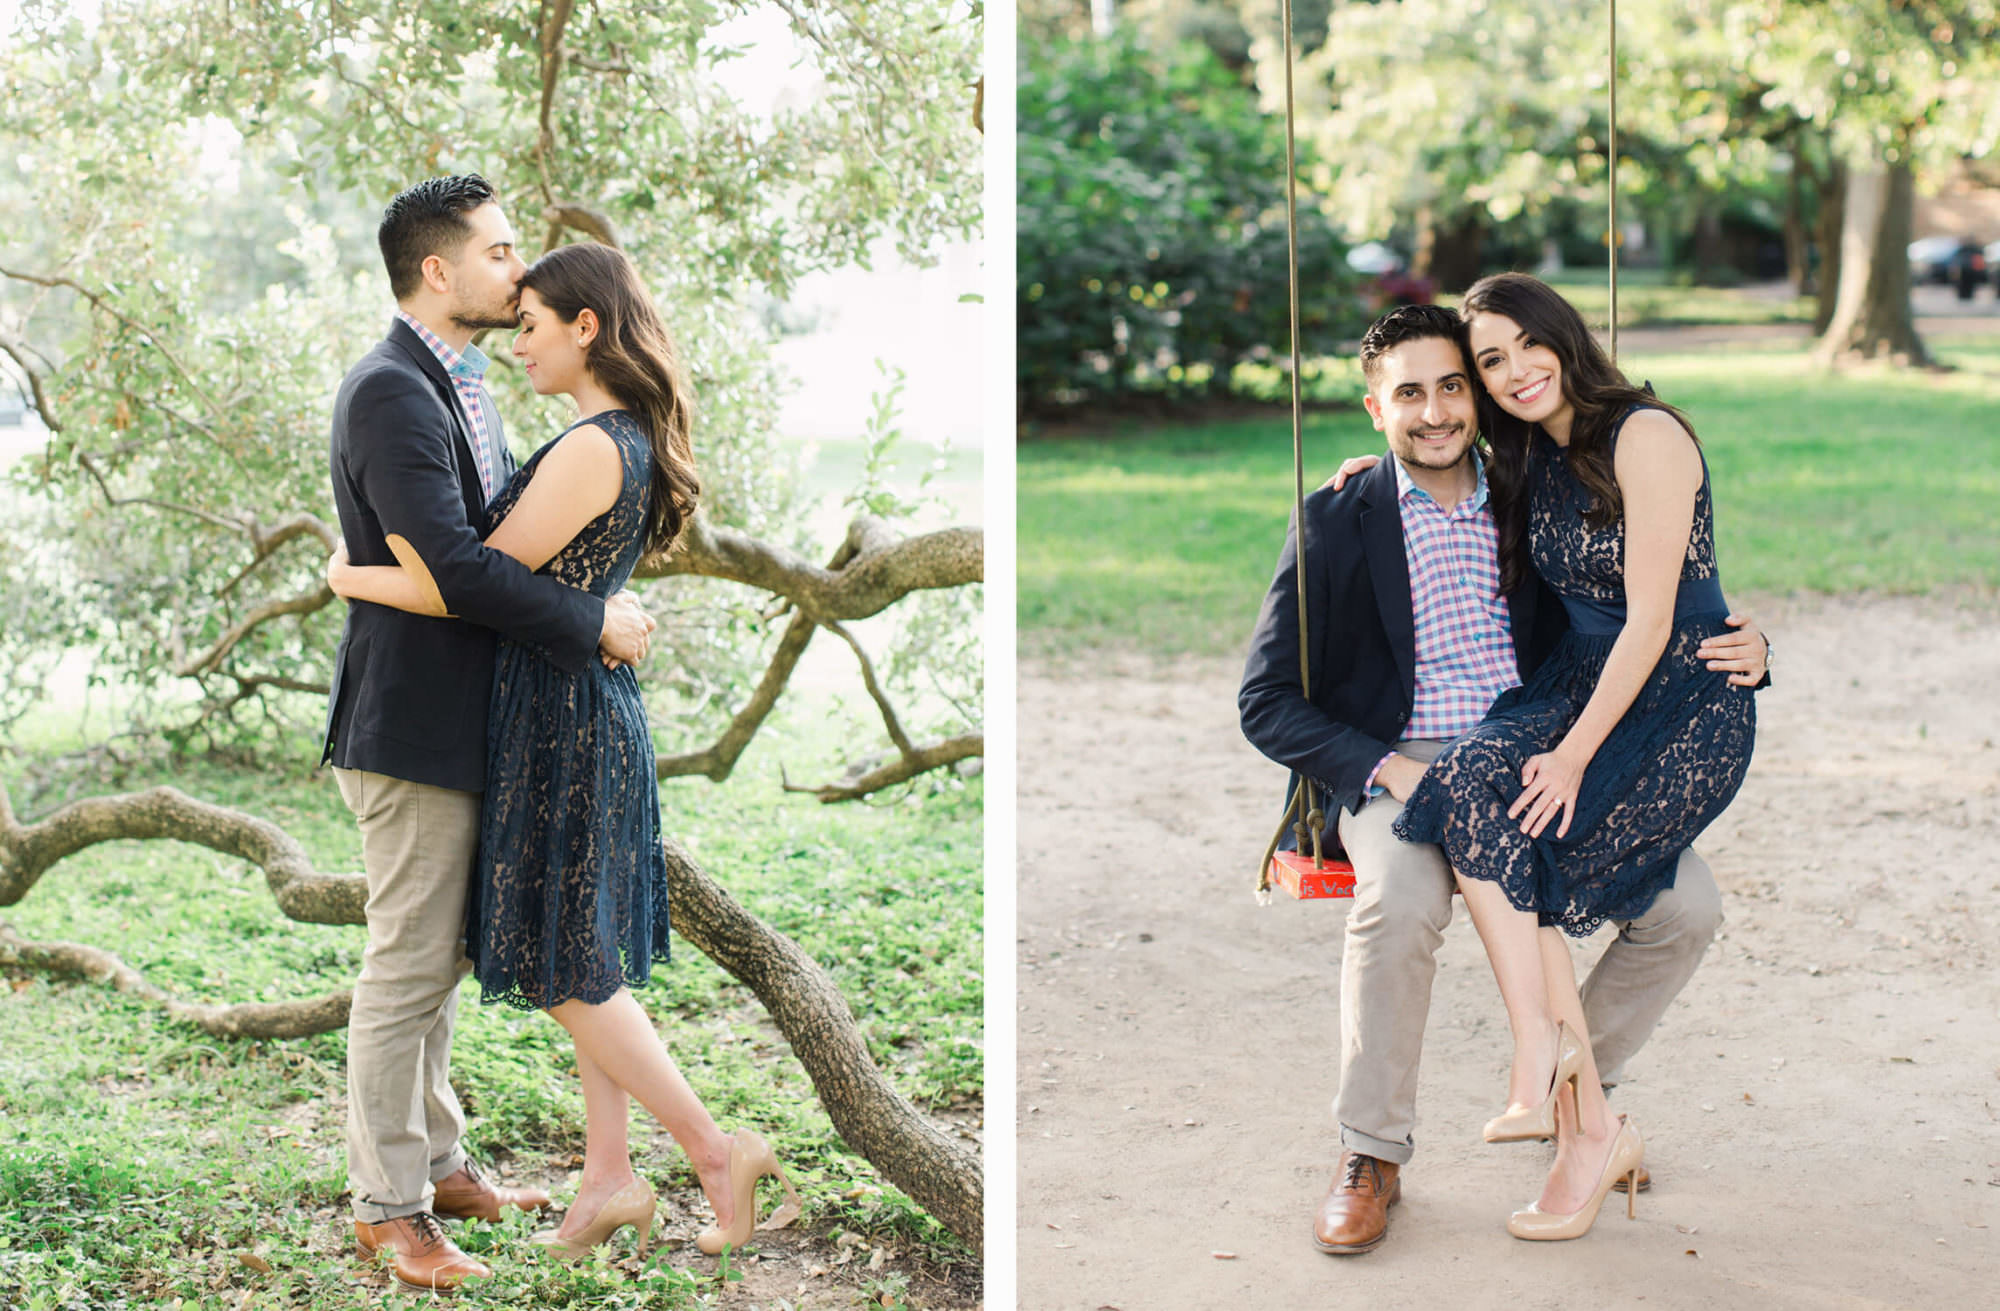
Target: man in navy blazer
x,y
417,450
1409,642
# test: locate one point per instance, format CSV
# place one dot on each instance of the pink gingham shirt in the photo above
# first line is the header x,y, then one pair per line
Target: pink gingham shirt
x,y
1465,647
468,373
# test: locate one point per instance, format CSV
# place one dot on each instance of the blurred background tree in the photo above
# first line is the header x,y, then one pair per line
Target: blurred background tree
x,y
1758,140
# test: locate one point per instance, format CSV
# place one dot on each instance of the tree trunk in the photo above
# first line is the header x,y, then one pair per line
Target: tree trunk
x,y
1424,249
1455,261
875,1120
1871,316
1709,256
1798,249
1832,213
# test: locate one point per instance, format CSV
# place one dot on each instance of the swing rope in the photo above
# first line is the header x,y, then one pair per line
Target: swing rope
x,y
1304,805
1611,159
1303,811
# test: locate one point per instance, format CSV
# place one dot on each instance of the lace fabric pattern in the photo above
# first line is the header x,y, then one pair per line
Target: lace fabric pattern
x,y
569,895
1669,767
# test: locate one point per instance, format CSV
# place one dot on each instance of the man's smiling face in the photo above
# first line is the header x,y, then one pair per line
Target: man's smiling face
x,y
1422,400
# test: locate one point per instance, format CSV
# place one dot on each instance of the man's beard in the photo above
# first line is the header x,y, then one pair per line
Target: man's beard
x,y
1417,453
479,318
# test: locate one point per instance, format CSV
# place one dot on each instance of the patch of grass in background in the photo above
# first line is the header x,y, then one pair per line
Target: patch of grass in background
x,y
1163,540
1646,299
138,1158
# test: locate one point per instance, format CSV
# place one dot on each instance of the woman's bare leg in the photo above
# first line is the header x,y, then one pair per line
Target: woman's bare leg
x,y
1514,950
607,1154
621,1042
1585,1127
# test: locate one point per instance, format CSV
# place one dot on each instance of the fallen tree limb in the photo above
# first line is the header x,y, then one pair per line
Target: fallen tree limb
x,y
288,1019
866,1110
878,1122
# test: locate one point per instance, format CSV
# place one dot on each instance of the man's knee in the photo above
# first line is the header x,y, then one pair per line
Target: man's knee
x,y
1408,899
1690,910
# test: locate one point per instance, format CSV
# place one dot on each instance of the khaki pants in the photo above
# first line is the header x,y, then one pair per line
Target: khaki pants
x,y
1402,905
418,844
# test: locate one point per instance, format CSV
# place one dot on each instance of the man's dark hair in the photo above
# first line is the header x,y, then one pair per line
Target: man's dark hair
x,y
1411,323
428,219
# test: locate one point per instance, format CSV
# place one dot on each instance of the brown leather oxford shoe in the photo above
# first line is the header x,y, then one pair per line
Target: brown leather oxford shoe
x,y
466,1194
1354,1217
425,1256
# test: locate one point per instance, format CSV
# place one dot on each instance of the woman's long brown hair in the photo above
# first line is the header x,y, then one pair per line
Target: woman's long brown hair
x,y
1597,392
634,359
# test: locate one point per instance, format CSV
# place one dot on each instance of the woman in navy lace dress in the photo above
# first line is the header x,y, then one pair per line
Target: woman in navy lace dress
x,y
1573,801
568,906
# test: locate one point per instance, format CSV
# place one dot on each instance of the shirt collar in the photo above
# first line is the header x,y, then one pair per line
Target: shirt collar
x,y
470,363
1406,487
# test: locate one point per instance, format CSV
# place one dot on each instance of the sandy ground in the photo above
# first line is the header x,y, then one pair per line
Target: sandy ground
x,y
1819,1106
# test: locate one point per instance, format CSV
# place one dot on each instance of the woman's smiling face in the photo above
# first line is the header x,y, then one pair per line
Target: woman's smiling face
x,y
1521,373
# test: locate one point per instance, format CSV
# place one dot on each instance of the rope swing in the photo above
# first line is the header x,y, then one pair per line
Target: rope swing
x,y
1312,877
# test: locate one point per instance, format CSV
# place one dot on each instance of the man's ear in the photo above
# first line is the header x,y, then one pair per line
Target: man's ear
x,y
1374,408
436,274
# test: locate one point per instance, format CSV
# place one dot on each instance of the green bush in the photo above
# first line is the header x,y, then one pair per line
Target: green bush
x,y
1151,228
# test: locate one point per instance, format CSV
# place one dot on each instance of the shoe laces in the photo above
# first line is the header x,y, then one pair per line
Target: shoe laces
x,y
428,1229
1357,1164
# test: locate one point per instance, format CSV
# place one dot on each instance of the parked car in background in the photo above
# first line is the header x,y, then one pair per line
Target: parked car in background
x,y
1968,269
1930,258
1993,266
1374,258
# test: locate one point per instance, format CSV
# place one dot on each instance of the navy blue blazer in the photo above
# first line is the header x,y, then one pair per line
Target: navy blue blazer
x,y
409,692
1363,645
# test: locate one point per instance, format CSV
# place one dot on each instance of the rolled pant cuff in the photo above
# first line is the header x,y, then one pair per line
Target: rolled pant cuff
x,y
1380,1148
449,1166
371,1214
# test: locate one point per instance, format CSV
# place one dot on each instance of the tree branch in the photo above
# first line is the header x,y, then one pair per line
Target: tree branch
x,y
866,1110
302,892
265,541
303,604
719,757
98,301
18,351
919,760
89,465
292,1019
553,24
583,219
882,570
881,698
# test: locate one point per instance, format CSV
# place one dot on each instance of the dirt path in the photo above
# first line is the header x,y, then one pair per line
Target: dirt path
x,y
1821,1106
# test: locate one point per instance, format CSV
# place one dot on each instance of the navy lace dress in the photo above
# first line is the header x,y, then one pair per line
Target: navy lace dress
x,y
1667,769
569,898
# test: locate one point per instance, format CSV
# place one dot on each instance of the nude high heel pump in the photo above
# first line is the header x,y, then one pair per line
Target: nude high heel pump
x,y
631,1205
750,1159
1628,1152
1520,1123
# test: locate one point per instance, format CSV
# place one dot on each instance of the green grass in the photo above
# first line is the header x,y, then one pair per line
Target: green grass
x,y
1646,299
1163,539
139,1158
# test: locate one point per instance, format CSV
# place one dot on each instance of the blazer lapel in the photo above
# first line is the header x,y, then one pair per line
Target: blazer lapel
x,y
463,462
1389,567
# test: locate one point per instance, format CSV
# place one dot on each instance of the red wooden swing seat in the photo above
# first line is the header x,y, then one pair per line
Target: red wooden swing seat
x,y
1302,877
